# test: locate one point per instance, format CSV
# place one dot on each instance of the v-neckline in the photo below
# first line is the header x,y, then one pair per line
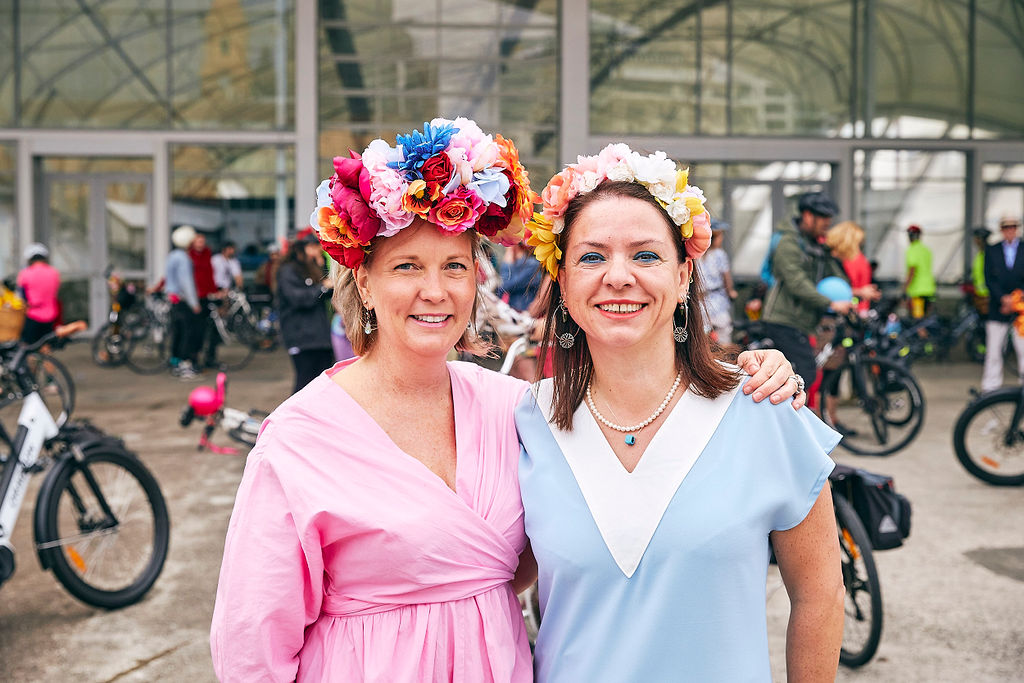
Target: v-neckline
x,y
627,507
593,423
459,432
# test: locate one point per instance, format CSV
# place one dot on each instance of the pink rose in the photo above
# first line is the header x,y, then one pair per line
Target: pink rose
x,y
458,211
699,242
558,192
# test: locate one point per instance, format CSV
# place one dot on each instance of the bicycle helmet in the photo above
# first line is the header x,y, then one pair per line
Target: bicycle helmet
x,y
818,203
982,233
35,250
913,229
206,400
183,236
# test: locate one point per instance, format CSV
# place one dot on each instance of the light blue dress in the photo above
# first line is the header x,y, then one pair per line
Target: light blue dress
x,y
659,574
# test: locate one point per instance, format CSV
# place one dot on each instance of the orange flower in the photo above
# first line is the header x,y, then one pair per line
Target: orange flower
x,y
558,192
418,198
508,158
332,228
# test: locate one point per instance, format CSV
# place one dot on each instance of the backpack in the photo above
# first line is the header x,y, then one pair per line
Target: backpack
x,y
766,265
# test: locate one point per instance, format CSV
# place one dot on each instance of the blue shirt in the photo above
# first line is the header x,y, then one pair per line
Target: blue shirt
x,y
664,581
179,280
1010,253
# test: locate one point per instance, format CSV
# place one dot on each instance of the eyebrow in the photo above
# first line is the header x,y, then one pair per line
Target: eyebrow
x,y
635,244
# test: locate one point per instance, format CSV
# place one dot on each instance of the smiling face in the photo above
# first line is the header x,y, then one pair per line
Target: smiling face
x,y
621,277
421,284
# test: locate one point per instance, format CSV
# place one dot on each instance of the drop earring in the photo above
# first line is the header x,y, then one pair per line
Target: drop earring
x,y
566,339
367,316
681,334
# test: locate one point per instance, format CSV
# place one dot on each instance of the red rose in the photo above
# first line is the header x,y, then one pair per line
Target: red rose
x,y
350,257
495,219
438,169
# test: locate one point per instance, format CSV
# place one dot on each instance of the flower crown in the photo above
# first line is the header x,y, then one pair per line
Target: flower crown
x,y
684,203
452,175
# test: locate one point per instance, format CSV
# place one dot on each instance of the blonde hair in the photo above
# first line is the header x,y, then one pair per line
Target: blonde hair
x,y
349,304
845,240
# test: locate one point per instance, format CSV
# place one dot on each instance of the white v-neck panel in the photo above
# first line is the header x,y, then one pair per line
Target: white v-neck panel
x,y
627,507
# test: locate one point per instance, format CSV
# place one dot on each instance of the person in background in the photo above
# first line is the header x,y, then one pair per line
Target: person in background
x,y
978,270
520,277
39,283
180,287
302,295
227,269
266,273
719,291
1004,273
206,290
920,283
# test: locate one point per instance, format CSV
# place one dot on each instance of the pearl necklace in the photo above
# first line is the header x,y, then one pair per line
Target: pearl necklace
x,y
631,438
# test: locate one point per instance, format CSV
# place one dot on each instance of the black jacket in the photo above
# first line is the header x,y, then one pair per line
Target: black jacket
x,y
1001,280
303,309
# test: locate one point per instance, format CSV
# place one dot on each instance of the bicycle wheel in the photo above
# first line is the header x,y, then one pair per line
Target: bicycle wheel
x,y
234,348
56,387
149,349
105,529
880,406
247,431
988,443
109,346
862,626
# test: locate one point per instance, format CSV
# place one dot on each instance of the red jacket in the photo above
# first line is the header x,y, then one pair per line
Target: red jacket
x,y
202,272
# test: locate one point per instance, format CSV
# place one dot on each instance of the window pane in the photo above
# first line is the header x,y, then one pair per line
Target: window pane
x,y
8,238
7,63
897,188
999,79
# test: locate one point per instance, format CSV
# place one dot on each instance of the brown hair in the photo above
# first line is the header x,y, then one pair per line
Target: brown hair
x,y
349,304
845,239
574,368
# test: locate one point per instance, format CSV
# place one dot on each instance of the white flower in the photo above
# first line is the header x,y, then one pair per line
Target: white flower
x,y
621,172
557,225
678,211
694,191
655,168
588,181
323,195
663,190
378,153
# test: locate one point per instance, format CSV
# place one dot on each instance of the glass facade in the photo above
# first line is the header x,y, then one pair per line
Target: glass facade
x,y
387,66
208,64
8,238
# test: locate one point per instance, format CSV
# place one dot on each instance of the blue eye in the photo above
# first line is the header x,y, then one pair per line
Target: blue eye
x,y
404,266
647,257
591,257
455,265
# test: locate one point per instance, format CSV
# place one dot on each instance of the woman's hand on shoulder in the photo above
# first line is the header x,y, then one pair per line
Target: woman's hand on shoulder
x,y
770,375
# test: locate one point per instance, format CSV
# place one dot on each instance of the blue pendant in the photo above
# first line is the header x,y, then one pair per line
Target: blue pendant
x,y
630,439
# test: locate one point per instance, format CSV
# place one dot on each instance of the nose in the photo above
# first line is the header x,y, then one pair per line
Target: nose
x,y
432,286
619,273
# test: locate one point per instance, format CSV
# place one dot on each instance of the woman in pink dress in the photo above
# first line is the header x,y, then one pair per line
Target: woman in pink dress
x,y
377,529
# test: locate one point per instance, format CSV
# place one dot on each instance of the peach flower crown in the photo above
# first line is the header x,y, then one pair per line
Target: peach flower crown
x,y
684,203
451,174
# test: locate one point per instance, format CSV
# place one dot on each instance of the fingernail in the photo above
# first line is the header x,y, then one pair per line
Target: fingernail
x,y
747,389
776,398
758,395
754,367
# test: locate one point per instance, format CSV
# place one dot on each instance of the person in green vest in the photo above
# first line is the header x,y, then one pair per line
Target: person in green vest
x,y
978,270
920,283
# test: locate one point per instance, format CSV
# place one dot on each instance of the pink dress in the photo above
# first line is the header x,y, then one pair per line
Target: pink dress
x,y
348,560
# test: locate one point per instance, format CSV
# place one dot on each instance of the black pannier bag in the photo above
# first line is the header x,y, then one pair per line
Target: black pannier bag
x,y
885,513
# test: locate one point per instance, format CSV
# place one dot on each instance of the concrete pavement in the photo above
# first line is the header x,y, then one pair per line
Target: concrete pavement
x,y
953,595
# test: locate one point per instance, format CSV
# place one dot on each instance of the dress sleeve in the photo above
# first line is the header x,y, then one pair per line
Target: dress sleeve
x,y
802,464
271,583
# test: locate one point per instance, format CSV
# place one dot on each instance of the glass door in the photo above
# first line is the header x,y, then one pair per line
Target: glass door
x,y
94,223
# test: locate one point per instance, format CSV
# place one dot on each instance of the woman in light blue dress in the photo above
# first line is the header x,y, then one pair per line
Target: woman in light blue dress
x,y
650,494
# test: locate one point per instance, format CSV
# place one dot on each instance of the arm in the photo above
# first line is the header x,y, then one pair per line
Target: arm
x,y
787,268
808,557
730,288
526,572
270,587
293,288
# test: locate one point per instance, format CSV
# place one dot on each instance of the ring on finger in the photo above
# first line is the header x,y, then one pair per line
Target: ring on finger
x,y
799,382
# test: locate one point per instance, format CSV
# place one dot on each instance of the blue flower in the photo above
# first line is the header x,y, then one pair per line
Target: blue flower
x,y
418,147
491,184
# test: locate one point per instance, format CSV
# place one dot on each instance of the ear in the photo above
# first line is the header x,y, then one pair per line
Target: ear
x,y
685,277
361,277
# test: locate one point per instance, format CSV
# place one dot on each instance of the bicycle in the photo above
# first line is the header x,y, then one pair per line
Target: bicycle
x,y
208,402
111,342
149,347
101,523
50,378
880,406
988,437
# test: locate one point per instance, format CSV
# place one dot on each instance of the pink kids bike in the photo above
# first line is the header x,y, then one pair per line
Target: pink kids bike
x,y
208,403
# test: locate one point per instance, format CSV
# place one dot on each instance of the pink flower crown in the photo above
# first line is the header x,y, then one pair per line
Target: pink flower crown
x,y
684,203
452,175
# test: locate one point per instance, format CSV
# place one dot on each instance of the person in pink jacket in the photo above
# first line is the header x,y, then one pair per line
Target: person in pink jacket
x,y
377,529
39,283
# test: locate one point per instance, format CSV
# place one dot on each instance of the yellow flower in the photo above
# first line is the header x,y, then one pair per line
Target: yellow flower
x,y
696,208
545,243
682,177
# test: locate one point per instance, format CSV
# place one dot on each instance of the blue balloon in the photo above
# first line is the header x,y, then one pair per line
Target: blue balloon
x,y
835,288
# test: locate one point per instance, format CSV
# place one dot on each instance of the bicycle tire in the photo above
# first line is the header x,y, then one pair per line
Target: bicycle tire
x,y
149,352
50,374
248,431
235,350
859,576
80,541
977,456
889,386
108,349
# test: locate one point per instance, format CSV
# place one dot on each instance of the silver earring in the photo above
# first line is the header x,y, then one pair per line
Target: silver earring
x,y
566,339
681,334
367,316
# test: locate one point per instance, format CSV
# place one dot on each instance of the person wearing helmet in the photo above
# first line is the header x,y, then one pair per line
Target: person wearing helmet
x,y
39,283
920,283
794,306
186,330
